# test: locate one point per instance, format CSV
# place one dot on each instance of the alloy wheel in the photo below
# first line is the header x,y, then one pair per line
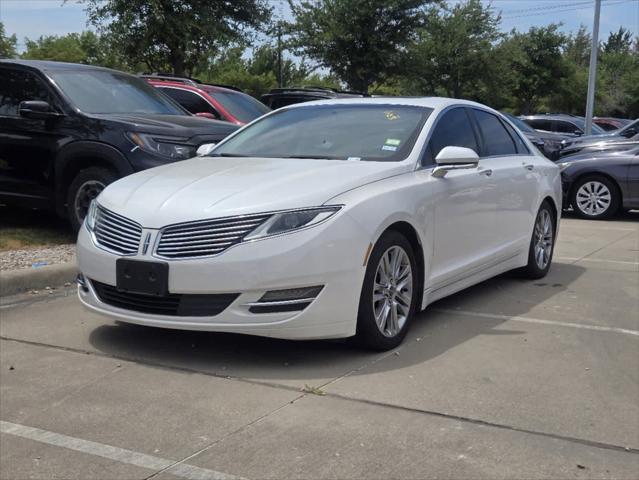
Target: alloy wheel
x,y
83,197
543,239
593,198
392,291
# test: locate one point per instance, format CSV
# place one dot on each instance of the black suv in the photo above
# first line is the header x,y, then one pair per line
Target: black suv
x,y
68,130
281,97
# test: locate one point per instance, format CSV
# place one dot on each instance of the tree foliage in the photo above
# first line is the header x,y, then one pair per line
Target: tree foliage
x,y
360,41
176,35
7,44
453,49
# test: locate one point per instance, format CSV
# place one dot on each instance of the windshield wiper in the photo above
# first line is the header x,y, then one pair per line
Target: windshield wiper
x,y
312,157
226,155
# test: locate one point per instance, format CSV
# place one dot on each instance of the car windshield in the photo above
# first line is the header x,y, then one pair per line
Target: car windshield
x,y
520,124
344,132
103,91
243,107
632,125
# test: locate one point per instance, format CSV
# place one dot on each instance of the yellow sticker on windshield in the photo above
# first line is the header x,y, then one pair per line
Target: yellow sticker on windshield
x,y
390,115
393,141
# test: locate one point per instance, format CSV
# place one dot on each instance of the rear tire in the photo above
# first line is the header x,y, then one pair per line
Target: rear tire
x,y
595,197
389,294
86,186
542,243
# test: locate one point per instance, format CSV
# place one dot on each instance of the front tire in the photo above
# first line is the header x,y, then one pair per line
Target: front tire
x,y
389,294
542,243
595,197
86,185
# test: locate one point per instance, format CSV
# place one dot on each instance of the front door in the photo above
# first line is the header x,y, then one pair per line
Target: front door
x,y
27,146
464,206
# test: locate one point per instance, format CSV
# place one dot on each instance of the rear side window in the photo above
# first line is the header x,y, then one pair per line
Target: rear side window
x,y
191,101
497,141
519,143
19,86
453,130
545,125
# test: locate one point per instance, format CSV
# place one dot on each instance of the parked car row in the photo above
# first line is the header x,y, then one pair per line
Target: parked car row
x,y
68,130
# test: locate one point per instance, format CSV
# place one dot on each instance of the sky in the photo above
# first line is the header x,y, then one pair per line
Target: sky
x,y
33,18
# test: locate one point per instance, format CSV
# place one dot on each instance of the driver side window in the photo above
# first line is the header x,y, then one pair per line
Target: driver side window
x,y
453,129
18,86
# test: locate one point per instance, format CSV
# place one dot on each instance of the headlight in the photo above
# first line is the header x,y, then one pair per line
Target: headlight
x,y
89,220
288,221
169,147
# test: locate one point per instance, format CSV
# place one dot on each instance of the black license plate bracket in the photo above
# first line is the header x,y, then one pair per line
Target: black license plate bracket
x,y
137,276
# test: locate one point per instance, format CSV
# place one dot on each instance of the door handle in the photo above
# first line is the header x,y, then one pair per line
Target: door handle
x,y
487,171
529,166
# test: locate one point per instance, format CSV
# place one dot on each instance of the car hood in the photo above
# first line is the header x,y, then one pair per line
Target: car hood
x,y
184,126
211,187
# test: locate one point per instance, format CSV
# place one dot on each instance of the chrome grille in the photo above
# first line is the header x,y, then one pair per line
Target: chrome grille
x,y
116,233
206,237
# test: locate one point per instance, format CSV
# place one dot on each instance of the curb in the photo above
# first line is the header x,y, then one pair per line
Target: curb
x,y
20,281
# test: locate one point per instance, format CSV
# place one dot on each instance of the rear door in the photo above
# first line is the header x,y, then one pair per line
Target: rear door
x,y
514,173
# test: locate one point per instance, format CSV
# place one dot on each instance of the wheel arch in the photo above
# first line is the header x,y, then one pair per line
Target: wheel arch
x,y
81,155
410,233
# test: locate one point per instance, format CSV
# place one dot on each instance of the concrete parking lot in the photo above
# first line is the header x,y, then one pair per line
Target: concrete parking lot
x,y
508,379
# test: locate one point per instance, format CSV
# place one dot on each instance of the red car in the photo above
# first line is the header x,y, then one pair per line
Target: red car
x,y
611,123
212,101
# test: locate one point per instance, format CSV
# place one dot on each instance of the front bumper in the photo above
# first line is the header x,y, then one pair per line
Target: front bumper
x,y
330,254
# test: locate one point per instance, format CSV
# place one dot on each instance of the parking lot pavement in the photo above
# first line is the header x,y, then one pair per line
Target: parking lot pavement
x,y
508,379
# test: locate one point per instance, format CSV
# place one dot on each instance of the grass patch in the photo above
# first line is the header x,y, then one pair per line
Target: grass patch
x,y
26,229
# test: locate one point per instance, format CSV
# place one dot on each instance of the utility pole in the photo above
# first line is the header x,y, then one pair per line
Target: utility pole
x,y
592,73
279,54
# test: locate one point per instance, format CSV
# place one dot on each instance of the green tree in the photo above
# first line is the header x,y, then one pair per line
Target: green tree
x,y
533,66
618,69
7,44
86,47
454,53
176,34
360,41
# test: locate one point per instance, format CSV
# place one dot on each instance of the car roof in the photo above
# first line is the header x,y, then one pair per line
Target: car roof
x,y
186,86
436,103
550,116
51,65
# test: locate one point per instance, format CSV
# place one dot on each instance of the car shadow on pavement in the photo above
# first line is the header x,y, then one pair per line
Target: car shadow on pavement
x,y
273,360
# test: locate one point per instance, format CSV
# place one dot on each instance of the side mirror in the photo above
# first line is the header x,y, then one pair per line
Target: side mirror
x,y
631,132
204,149
454,158
578,133
36,109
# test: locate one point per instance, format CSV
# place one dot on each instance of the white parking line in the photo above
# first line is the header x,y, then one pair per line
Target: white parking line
x,y
583,326
600,260
121,455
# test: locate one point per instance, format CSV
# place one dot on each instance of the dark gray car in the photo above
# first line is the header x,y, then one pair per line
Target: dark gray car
x,y
548,143
561,123
598,184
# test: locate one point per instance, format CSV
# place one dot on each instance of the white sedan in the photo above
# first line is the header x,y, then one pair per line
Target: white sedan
x,y
328,219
